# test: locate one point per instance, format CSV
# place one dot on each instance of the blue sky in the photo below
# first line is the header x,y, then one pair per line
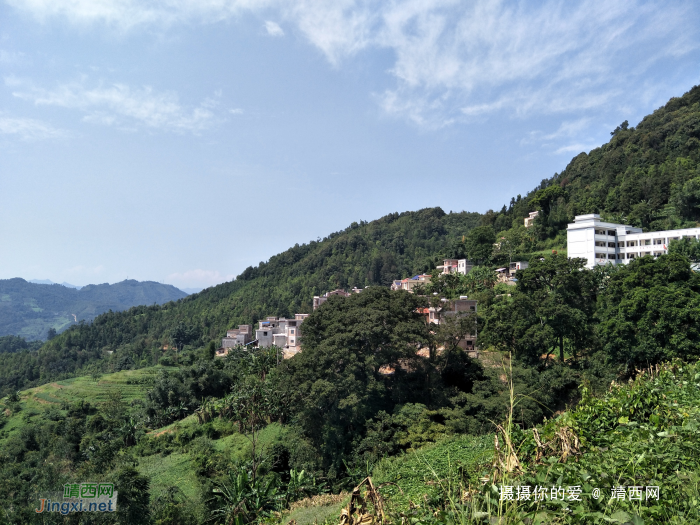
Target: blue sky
x,y
184,140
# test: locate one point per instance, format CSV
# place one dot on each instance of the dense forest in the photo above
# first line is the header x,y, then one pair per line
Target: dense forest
x,y
258,433
37,311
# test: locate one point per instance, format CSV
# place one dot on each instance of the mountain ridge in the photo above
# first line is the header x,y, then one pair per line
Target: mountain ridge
x,y
30,309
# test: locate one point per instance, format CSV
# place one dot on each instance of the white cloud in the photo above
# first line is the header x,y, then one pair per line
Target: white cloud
x,y
452,60
128,14
119,104
10,57
273,28
236,111
198,278
576,148
29,129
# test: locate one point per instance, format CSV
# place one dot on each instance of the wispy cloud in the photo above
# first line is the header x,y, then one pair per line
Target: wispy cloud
x,y
10,57
455,61
273,28
128,14
120,105
29,129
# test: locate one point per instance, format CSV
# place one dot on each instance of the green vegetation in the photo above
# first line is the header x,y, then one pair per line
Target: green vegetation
x,y
243,438
32,310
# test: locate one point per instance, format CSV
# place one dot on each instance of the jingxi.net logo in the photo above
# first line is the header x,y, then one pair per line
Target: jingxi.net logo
x,y
80,497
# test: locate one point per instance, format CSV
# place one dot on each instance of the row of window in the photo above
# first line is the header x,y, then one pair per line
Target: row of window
x,y
625,256
642,242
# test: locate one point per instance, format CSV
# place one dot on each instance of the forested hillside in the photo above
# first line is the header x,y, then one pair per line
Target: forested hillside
x,y
30,310
243,438
647,176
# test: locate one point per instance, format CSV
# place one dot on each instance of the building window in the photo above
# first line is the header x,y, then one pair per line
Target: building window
x,y
601,255
631,243
611,245
647,242
292,331
472,308
611,256
265,334
630,256
658,241
611,233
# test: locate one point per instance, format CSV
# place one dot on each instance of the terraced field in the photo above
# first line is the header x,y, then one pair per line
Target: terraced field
x,y
132,384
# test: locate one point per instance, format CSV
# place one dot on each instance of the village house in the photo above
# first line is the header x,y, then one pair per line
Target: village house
x,y
280,332
410,283
529,221
319,300
240,336
462,266
461,306
601,242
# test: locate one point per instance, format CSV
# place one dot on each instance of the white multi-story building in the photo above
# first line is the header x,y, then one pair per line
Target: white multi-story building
x,y
462,266
281,332
602,242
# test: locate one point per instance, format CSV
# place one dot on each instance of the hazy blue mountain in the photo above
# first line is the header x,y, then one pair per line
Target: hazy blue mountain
x,y
47,281
190,291
29,309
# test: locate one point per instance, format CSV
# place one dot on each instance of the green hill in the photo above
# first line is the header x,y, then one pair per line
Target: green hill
x,y
30,310
647,176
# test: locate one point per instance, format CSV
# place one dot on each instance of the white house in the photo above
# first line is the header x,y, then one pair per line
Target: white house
x,y
602,242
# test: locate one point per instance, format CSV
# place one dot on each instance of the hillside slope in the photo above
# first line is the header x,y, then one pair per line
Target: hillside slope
x,y
647,176
29,309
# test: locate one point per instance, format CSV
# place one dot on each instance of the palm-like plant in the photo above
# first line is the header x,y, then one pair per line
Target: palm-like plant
x,y
243,499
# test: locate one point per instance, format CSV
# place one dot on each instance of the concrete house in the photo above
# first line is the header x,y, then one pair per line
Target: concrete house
x,y
319,300
601,242
240,336
529,221
281,332
457,307
410,283
462,266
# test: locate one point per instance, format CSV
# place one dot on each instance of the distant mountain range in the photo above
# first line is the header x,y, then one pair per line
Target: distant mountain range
x,y
30,309
46,281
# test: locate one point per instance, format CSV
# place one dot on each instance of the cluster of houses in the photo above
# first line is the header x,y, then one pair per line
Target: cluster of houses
x,y
286,333
588,237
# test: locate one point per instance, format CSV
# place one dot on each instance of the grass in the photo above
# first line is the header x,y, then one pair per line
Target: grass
x,y
174,470
421,475
317,510
132,384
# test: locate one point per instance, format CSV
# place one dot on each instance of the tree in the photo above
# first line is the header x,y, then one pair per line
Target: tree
x,y
181,335
553,306
134,496
650,311
51,334
479,244
544,199
509,242
359,358
687,246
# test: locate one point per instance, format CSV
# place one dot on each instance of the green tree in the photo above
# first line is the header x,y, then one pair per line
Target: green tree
x,y
479,244
134,496
687,246
552,307
359,357
650,311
